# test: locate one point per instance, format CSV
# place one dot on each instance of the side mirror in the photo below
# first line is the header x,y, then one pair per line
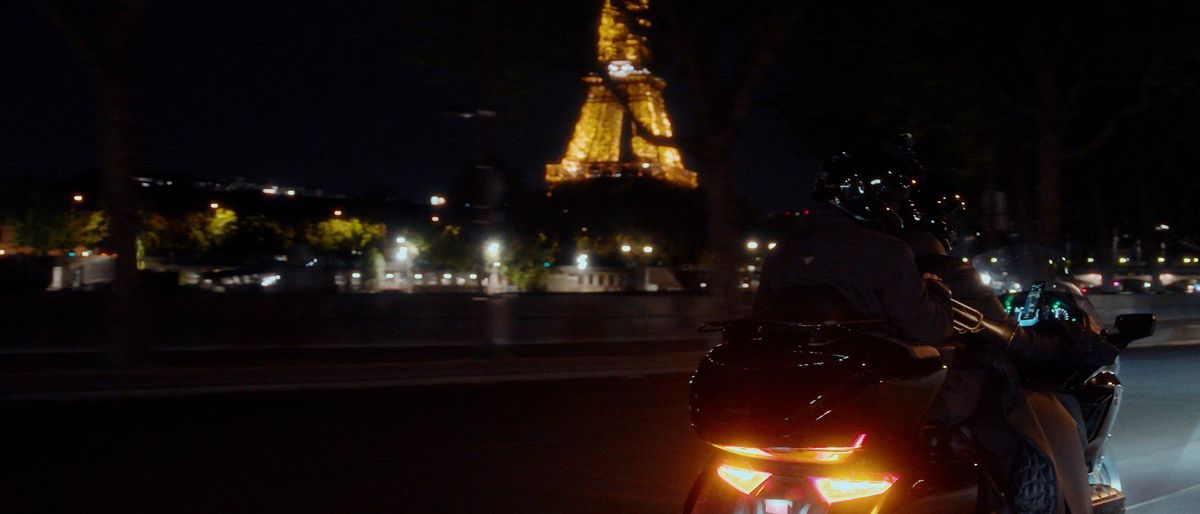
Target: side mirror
x,y
1131,327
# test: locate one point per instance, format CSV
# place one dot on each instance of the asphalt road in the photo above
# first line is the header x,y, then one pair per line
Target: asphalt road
x,y
599,445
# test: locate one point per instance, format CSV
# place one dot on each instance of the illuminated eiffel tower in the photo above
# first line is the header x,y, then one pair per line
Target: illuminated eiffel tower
x,y
607,143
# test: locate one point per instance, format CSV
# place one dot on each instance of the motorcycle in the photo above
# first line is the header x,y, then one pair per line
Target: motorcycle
x,y
828,415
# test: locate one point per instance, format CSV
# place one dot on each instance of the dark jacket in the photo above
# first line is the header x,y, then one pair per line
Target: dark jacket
x,y
875,273
1041,418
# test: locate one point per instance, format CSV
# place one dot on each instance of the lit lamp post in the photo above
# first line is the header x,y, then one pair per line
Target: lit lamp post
x,y
405,255
491,251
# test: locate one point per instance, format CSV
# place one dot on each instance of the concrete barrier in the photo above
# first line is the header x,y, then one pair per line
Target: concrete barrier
x,y
256,321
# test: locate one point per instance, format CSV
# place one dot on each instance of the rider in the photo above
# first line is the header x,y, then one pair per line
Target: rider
x,y
844,246
855,243
1015,429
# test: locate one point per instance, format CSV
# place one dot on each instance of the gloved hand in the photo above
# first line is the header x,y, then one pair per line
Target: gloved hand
x,y
1091,350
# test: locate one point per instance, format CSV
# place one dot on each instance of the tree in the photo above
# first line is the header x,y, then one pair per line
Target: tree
x,y
527,263
344,236
207,231
725,50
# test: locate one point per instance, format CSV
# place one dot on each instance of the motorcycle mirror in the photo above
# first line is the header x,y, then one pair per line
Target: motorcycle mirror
x,y
1131,327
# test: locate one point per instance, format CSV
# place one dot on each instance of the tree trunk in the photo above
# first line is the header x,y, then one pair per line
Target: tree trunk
x,y
1048,167
107,61
724,235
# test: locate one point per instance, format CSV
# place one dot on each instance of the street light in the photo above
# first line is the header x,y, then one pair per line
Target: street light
x,y
214,205
581,261
337,212
492,250
626,248
647,249
77,198
752,245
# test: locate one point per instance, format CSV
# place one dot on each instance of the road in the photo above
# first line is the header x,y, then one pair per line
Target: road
x,y
616,444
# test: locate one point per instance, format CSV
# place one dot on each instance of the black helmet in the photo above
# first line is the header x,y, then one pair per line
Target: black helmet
x,y
933,204
869,188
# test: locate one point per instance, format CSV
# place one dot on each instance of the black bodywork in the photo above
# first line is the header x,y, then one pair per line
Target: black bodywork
x,y
784,385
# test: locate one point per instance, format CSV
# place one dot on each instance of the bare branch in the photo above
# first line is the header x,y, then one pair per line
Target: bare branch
x,y
1110,125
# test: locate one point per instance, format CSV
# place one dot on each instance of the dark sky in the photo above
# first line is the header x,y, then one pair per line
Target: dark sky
x,y
334,95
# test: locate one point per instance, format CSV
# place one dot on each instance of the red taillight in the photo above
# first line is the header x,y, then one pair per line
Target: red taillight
x,y
834,490
811,455
744,480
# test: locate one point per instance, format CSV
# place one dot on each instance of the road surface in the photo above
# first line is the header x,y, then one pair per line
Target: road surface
x,y
613,444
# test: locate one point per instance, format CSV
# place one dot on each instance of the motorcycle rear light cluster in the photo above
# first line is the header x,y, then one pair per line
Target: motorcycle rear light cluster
x,y
744,480
834,490
814,455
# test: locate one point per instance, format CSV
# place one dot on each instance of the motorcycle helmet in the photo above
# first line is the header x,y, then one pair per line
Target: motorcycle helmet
x,y
867,187
933,204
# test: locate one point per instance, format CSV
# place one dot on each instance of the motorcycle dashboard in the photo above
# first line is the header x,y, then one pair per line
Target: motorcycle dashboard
x,y
1050,305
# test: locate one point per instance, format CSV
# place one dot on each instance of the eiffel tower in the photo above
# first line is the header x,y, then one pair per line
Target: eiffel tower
x,y
607,143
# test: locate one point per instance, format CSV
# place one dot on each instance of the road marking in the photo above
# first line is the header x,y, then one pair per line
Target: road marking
x,y
1161,498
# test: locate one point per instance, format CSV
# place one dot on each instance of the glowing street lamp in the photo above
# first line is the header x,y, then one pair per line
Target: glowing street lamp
x,y
214,206
626,248
337,212
77,198
581,261
752,245
491,250
647,249
437,200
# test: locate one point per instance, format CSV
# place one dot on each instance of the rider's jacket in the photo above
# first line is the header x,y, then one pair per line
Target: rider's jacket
x,y
874,272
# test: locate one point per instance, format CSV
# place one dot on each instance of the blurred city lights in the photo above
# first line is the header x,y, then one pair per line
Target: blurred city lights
x,y
337,212
752,245
78,198
435,219
214,205
492,250
402,254
771,245
581,261
437,200
401,240
647,249
626,248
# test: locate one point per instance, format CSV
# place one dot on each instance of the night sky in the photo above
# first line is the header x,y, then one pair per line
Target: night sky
x,y
349,98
